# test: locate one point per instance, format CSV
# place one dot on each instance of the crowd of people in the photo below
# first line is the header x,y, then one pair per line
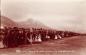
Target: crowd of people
x,y
13,37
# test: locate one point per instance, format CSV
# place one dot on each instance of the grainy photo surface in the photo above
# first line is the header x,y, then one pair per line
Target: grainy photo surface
x,y
42,27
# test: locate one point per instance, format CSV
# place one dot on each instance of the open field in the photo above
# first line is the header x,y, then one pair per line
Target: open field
x,y
67,46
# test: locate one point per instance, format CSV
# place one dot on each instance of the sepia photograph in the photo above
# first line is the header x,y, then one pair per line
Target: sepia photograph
x,y
42,27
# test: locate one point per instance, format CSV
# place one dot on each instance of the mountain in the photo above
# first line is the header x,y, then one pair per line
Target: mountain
x,y
31,23
5,21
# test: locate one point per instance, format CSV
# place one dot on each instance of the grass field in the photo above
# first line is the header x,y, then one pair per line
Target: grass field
x,y
67,46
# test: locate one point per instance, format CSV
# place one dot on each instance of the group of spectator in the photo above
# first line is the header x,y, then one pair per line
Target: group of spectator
x,y
13,37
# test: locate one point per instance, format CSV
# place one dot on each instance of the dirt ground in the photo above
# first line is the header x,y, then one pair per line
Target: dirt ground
x,y
67,46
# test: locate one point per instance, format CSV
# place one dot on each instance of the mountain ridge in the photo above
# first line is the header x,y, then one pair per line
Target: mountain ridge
x,y
30,23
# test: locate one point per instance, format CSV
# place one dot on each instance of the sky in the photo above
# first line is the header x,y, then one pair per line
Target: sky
x,y
59,14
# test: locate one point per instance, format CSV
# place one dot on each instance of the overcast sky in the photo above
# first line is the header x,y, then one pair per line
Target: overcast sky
x,y
59,14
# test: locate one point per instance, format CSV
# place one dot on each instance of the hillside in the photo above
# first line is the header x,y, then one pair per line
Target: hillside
x,y
5,21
